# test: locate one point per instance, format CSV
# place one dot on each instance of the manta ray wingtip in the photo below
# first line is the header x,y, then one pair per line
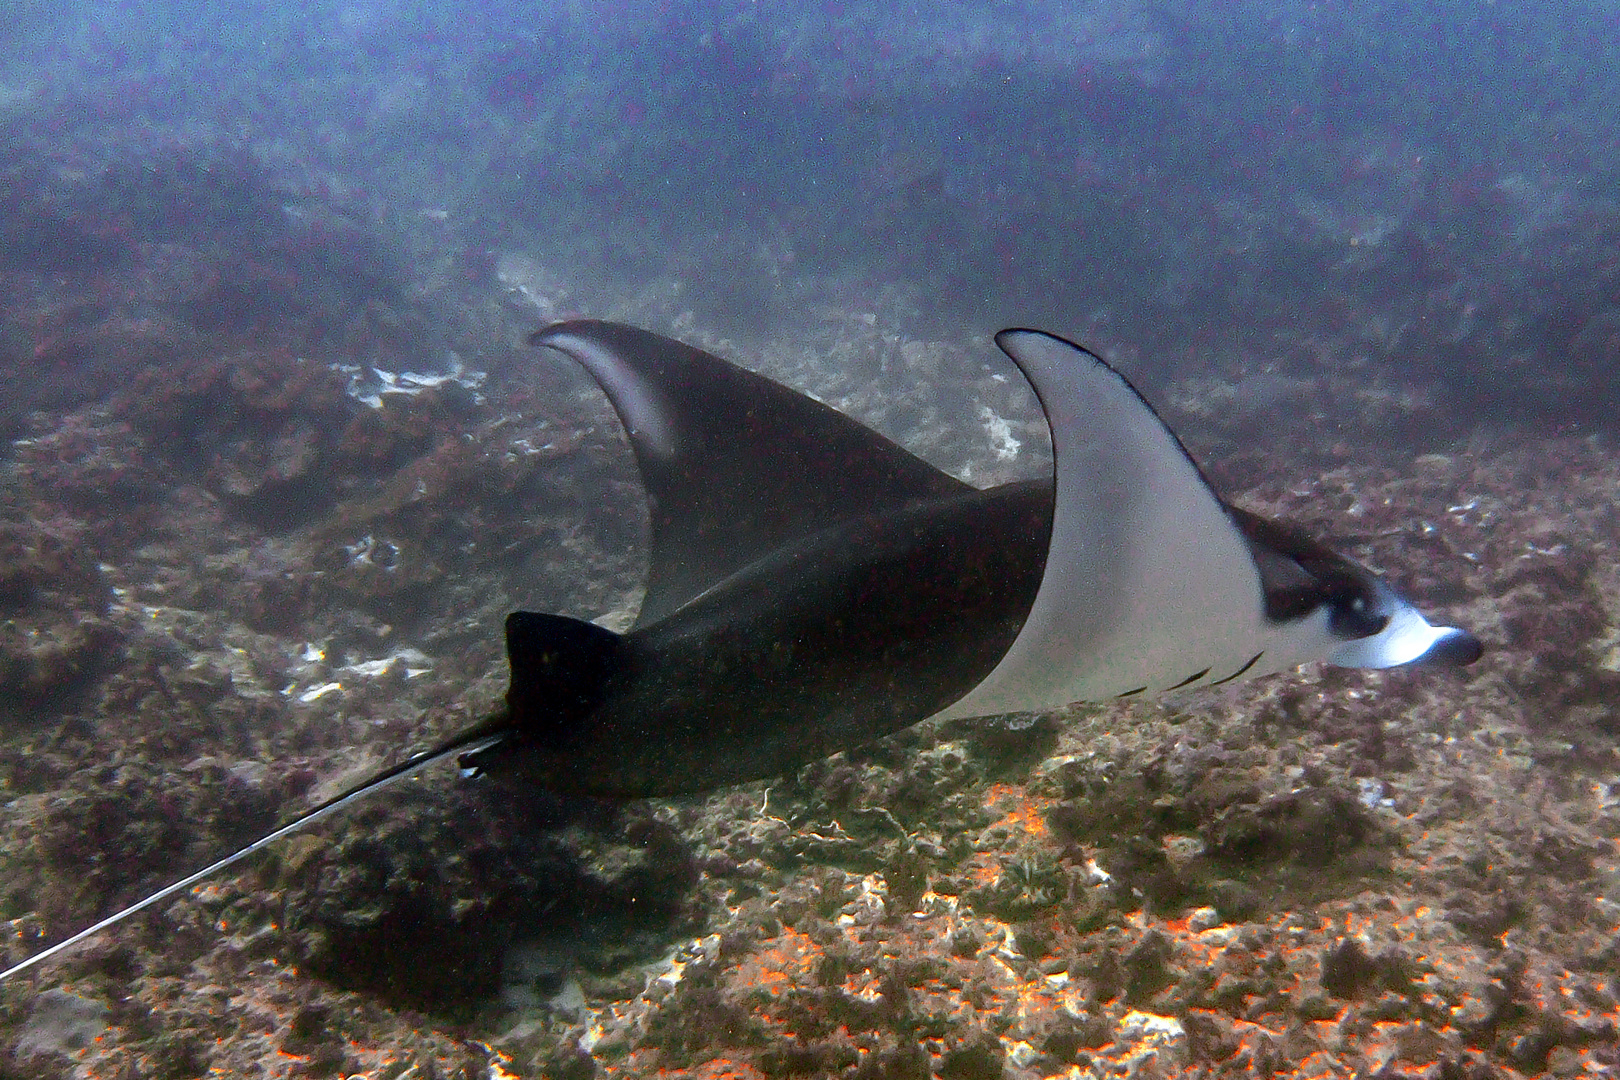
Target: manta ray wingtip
x,y
542,337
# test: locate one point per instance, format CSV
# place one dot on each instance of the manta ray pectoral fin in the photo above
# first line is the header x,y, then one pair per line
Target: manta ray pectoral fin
x,y
1147,579
736,466
1154,583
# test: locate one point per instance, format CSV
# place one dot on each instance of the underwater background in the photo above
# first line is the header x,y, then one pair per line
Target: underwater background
x,y
276,463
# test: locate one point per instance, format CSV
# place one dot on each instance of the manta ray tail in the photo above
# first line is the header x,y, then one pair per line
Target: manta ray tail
x,y
491,730
559,666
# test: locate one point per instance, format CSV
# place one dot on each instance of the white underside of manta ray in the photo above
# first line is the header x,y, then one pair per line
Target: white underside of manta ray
x,y
1153,583
813,586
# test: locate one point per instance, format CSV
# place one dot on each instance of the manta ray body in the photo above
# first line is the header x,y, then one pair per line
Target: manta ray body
x,y
814,586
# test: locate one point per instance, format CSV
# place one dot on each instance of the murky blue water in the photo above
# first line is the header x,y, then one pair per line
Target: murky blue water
x,y
278,464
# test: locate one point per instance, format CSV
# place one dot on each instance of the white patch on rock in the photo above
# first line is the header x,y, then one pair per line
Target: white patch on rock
x,y
61,1023
415,663
370,385
315,693
1002,440
1149,1036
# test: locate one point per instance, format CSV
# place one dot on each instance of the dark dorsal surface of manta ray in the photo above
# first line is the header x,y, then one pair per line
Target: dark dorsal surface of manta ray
x,y
814,586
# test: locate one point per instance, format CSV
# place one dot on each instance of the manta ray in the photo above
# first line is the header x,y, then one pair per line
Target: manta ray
x,y
814,586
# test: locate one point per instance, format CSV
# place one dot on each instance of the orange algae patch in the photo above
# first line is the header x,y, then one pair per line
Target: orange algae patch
x,y
726,1069
781,963
982,869
1318,1064
719,1068
1018,809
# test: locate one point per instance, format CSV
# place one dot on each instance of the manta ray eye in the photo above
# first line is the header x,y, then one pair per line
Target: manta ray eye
x,y
1356,614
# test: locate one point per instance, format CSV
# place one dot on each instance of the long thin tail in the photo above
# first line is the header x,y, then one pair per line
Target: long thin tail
x,y
485,734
